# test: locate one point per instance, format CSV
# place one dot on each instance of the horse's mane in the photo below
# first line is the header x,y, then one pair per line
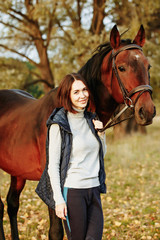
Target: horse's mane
x,y
91,71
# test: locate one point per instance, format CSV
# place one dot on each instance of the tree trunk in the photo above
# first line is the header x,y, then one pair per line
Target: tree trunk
x,y
41,46
98,15
45,70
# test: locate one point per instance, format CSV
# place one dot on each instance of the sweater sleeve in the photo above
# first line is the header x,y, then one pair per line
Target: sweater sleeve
x,y
54,162
103,140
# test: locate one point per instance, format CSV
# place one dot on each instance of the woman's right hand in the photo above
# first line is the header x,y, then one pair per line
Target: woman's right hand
x,y
98,125
61,211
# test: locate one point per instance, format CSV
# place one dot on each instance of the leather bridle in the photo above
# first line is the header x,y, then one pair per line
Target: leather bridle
x,y
129,104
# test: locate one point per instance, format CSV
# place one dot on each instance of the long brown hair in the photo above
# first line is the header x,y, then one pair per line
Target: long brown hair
x,y
64,90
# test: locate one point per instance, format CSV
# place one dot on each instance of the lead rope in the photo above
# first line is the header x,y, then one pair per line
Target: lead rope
x,y
112,122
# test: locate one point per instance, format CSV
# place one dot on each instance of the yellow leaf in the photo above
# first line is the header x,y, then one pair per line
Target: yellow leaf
x,y
157,225
137,222
117,223
109,199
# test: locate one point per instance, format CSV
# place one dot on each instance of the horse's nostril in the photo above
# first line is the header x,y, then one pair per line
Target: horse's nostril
x,y
154,113
141,113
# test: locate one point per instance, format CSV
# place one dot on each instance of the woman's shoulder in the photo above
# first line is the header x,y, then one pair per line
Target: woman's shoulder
x,y
57,115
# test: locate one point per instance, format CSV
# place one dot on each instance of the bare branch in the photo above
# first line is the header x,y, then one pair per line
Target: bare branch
x,y
61,38
20,14
27,25
38,81
20,54
28,4
79,12
65,32
13,26
75,20
69,12
14,17
50,25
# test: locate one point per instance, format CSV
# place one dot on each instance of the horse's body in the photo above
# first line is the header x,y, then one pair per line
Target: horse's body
x,y
23,130
23,118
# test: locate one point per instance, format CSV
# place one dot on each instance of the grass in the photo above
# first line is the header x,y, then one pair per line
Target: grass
x,y
131,206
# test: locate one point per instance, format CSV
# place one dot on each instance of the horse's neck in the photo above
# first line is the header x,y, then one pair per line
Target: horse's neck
x,y
48,103
105,104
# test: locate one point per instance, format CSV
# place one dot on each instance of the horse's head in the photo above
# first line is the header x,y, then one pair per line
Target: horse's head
x,y
125,73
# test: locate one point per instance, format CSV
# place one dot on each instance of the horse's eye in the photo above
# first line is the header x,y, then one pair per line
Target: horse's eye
x,y
122,69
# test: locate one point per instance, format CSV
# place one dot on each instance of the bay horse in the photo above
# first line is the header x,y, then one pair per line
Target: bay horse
x,y
117,73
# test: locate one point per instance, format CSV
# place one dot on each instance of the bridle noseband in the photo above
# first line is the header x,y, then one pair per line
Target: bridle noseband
x,y
126,95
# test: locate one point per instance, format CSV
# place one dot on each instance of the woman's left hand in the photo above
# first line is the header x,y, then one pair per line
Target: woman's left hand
x,y
98,125
61,211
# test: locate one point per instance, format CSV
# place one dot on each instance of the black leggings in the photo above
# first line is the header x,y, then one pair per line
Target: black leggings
x,y
85,216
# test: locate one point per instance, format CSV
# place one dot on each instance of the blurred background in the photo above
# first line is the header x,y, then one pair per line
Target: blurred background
x,y
43,40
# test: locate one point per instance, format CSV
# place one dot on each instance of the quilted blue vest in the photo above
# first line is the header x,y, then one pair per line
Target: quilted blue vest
x,y
59,116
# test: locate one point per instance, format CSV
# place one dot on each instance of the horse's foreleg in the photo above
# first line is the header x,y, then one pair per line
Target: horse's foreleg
x,y
56,228
17,185
1,220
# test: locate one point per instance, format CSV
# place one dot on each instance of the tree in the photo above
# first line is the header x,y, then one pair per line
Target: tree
x,y
28,27
55,31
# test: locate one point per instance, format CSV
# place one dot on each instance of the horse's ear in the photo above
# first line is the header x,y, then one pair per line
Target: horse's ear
x,y
115,37
140,37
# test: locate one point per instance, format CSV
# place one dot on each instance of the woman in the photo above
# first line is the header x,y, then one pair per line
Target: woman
x,y
75,161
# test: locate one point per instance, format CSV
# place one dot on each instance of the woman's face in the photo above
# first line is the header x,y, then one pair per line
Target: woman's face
x,y
79,95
